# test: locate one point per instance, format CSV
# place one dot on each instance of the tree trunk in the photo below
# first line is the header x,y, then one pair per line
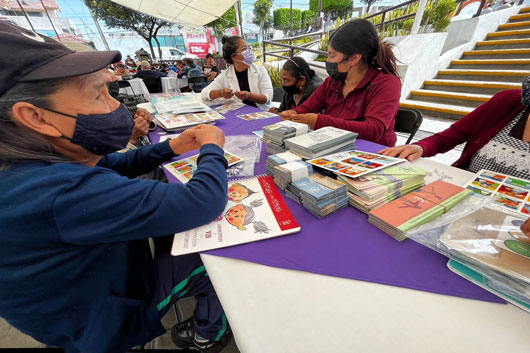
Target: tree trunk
x,y
157,42
153,57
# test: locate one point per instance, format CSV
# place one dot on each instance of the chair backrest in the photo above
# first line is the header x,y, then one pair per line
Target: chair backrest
x,y
124,84
153,84
197,83
408,120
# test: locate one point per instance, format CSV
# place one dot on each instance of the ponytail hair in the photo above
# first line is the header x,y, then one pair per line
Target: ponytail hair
x,y
360,37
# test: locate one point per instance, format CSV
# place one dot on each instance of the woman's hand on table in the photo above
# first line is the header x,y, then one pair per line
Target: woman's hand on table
x,y
288,114
222,93
274,110
308,118
409,152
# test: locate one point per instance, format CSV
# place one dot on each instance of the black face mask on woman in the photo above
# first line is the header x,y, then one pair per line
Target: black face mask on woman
x,y
293,89
334,73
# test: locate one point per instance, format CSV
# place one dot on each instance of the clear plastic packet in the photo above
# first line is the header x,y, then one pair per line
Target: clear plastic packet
x,y
247,147
488,241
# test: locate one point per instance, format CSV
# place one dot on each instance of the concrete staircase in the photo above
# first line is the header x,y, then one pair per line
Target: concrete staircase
x,y
498,63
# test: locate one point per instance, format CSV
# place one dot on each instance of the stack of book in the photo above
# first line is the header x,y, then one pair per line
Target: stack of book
x,y
321,195
377,188
179,122
322,142
416,208
292,171
274,135
275,160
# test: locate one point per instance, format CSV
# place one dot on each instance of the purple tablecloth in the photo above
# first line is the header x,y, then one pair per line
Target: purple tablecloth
x,y
345,245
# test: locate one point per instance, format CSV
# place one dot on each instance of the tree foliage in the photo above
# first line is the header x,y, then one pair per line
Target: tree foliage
x,y
117,16
282,19
333,9
226,21
262,15
308,17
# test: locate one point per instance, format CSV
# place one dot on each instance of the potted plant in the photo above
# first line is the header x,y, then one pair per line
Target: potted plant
x,y
275,73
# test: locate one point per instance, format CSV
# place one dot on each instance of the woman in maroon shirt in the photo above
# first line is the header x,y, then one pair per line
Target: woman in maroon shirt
x,y
363,90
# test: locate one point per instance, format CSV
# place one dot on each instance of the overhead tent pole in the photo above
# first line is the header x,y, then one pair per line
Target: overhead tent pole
x,y
53,26
99,30
25,14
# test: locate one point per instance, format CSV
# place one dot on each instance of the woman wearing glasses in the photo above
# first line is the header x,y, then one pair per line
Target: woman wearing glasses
x,y
299,82
243,79
362,91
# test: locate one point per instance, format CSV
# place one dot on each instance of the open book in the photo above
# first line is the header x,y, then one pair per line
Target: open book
x,y
256,210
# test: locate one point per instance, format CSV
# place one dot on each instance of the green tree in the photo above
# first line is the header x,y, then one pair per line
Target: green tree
x,y
262,15
282,19
227,20
117,16
308,17
333,9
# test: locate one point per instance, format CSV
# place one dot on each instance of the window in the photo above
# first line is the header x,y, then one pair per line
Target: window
x,y
35,14
175,52
171,41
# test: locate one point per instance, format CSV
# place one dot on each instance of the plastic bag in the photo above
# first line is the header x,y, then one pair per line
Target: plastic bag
x,y
247,147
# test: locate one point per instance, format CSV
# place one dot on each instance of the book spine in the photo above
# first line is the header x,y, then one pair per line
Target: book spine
x,y
422,218
277,204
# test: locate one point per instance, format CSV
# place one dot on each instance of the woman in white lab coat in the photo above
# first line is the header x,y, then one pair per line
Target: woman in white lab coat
x,y
243,79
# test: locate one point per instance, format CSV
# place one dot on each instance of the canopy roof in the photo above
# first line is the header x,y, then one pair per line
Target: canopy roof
x,y
191,13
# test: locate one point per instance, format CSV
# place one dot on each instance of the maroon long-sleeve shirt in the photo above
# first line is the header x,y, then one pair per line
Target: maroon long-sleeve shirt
x,y
370,109
477,128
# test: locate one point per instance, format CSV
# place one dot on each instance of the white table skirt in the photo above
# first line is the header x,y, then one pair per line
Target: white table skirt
x,y
275,310
173,84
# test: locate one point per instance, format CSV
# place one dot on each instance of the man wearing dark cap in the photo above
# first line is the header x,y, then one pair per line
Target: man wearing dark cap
x,y
76,270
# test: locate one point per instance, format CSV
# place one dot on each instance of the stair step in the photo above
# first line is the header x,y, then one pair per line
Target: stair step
x,y
474,84
514,33
524,10
520,17
492,64
503,44
514,25
436,107
484,75
498,51
451,95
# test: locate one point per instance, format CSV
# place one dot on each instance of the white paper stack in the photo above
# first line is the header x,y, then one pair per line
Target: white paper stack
x,y
322,142
275,160
275,135
292,171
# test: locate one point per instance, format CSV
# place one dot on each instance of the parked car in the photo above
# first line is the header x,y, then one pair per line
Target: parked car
x,y
170,53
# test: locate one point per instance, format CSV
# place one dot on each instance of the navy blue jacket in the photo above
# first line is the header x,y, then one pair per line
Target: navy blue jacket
x,y
75,265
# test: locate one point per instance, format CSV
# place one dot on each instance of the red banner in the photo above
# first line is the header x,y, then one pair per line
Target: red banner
x,y
199,49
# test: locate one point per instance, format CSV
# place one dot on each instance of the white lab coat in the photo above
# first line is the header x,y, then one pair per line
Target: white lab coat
x,y
258,81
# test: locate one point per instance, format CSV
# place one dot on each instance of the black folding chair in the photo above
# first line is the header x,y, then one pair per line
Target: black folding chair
x,y
408,120
126,98
153,84
194,81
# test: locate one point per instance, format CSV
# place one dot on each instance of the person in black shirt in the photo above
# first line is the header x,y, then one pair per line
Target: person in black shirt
x,y
210,70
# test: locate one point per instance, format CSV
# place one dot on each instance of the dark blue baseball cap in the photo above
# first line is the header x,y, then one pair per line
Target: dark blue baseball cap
x,y
27,56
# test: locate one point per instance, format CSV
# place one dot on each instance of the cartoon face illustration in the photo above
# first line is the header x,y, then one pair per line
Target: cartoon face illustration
x,y
236,216
238,192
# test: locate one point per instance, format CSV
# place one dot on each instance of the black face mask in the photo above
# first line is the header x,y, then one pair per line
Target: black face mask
x,y
333,71
294,89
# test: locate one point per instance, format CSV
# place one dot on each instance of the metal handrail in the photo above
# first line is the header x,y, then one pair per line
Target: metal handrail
x,y
383,14
291,48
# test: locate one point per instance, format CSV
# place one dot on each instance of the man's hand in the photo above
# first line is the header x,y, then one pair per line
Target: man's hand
x,y
193,138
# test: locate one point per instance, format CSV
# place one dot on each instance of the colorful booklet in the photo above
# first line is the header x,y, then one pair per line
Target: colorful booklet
x,y
227,107
416,208
508,193
255,211
256,116
494,240
180,122
354,163
321,142
478,278
183,169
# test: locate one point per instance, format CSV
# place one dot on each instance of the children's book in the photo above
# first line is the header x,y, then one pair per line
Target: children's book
x,y
180,122
509,194
493,239
256,210
416,208
478,278
256,116
354,163
183,169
